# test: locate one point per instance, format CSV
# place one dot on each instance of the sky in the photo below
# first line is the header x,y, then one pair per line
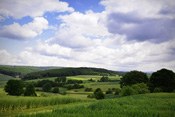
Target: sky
x,y
120,35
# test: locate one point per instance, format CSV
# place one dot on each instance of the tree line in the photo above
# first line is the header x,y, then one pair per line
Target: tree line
x,y
68,72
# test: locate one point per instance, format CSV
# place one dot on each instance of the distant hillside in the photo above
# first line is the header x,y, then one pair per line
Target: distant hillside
x,y
70,72
21,70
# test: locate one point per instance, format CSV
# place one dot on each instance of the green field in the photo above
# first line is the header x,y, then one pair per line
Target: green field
x,y
152,105
76,103
79,77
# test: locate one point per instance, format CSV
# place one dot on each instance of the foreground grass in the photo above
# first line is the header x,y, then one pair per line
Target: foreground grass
x,y
11,103
148,105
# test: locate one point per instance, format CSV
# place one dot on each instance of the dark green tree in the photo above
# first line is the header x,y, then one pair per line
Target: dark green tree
x,y
30,90
98,94
104,79
133,77
63,79
58,80
47,87
109,91
163,79
117,91
56,90
14,87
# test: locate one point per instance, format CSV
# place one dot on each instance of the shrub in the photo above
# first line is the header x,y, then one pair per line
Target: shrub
x,y
56,90
91,96
47,87
88,90
157,89
128,90
109,91
14,87
98,94
140,88
113,89
30,90
64,93
117,91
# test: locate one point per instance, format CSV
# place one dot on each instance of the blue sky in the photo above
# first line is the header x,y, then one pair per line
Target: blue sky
x,y
113,34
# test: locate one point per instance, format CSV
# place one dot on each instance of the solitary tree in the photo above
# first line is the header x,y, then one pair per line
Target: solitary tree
x,y
14,87
30,90
47,87
163,79
133,77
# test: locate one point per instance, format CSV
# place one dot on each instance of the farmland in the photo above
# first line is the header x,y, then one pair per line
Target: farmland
x,y
75,102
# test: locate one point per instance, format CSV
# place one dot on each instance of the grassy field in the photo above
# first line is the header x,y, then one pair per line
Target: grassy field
x,y
76,103
147,105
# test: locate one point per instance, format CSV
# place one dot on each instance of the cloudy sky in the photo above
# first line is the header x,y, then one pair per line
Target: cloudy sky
x,y
119,35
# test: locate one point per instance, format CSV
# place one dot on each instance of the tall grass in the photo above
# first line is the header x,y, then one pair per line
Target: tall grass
x,y
147,105
20,103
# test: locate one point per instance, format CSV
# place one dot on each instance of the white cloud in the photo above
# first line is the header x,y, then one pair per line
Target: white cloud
x,y
145,8
7,59
34,8
81,30
26,31
144,56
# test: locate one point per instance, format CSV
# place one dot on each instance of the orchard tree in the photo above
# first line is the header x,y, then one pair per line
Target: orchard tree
x,y
133,77
14,87
30,90
163,79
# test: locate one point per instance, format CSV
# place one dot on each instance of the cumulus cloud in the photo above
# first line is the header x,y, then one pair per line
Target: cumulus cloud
x,y
7,59
144,56
26,31
80,30
34,8
141,20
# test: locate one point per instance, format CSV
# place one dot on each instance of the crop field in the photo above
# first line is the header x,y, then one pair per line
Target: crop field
x,y
78,77
147,105
76,103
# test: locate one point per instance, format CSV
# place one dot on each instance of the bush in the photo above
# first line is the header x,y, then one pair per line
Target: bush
x,y
30,90
55,90
47,87
128,90
141,88
14,87
164,79
157,89
90,96
64,93
113,89
88,90
98,94
109,91
117,91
